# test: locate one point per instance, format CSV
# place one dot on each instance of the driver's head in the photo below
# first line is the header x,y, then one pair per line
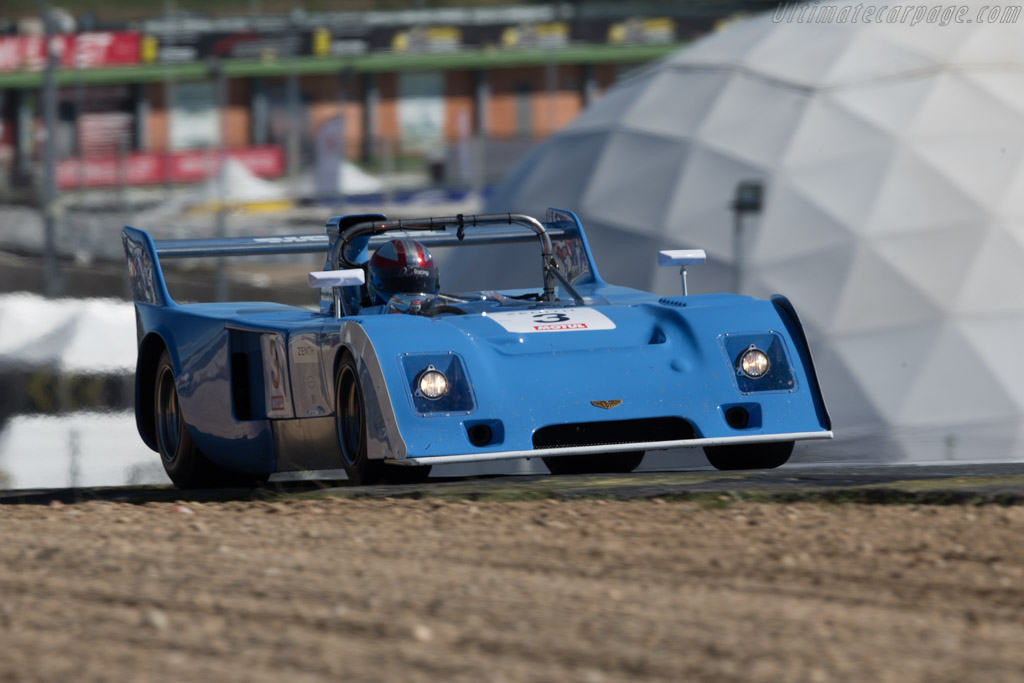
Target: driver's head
x,y
400,267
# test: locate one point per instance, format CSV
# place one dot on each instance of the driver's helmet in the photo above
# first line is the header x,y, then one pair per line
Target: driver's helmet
x,y
400,267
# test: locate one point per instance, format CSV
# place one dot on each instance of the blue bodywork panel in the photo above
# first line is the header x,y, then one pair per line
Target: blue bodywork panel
x,y
256,381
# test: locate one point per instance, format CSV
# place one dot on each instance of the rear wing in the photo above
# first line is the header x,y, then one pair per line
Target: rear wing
x,y
561,234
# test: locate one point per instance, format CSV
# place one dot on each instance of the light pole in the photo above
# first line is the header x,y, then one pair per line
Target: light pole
x,y
216,70
749,199
53,278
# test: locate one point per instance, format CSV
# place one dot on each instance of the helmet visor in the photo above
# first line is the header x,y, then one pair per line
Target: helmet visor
x,y
408,280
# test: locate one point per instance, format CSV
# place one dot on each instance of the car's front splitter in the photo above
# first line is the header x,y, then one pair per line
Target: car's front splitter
x,y
611,448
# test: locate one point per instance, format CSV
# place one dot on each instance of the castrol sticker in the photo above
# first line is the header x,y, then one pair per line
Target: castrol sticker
x,y
553,320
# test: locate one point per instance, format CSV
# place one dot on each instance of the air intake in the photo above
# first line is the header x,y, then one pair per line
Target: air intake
x,y
614,432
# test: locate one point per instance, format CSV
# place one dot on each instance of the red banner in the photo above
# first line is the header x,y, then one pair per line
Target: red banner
x,y
74,51
149,168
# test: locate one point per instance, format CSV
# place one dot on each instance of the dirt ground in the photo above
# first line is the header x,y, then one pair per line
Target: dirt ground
x,y
587,590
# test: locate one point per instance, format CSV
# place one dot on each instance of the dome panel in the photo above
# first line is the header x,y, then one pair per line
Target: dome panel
x,y
996,341
876,298
885,366
936,262
990,43
845,189
553,175
660,110
699,198
890,105
955,385
994,281
870,56
797,226
637,198
957,105
615,105
981,166
728,125
800,55
917,194
816,282
1001,85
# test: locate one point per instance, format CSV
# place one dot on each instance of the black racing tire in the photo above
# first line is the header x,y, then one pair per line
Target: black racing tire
x,y
761,456
184,463
597,463
350,425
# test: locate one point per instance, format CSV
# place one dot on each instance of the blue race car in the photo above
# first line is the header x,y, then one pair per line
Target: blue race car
x,y
388,375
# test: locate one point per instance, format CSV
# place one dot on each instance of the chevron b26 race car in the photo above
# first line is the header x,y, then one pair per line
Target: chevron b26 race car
x,y
385,382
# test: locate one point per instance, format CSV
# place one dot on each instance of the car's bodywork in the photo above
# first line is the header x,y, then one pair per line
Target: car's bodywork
x,y
577,367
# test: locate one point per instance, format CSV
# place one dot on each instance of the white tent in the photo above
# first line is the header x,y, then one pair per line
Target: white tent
x,y
79,336
892,156
234,183
352,180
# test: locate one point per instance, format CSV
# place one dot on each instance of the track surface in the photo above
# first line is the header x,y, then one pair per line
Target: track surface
x,y
935,483
655,576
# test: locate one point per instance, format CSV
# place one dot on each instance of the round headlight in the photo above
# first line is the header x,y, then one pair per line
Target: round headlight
x,y
433,384
754,363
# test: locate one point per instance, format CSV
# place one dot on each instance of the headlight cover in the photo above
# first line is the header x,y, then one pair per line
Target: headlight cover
x,y
457,398
754,363
432,383
744,351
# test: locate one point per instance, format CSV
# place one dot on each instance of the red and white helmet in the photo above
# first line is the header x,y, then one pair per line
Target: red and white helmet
x,y
401,267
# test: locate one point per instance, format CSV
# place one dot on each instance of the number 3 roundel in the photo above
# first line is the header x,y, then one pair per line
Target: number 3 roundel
x,y
553,320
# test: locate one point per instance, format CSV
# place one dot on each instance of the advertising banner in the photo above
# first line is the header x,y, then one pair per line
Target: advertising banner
x,y
148,168
74,51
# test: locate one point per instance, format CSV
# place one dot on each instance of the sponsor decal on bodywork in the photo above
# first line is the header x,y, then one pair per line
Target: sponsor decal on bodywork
x,y
275,383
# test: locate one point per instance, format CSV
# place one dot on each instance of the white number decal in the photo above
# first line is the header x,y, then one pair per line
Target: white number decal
x,y
553,320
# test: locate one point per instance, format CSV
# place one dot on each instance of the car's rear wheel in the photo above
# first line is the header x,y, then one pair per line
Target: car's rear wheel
x,y
350,426
613,463
762,456
182,460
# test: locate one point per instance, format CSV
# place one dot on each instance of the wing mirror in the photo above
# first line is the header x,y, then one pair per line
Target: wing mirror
x,y
682,258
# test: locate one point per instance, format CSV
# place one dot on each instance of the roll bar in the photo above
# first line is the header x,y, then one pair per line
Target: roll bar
x,y
337,259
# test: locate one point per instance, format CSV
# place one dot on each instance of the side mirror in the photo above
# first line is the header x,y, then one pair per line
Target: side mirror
x,y
682,258
337,278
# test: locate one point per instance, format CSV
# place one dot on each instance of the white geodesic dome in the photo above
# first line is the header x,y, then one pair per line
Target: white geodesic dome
x,y
892,157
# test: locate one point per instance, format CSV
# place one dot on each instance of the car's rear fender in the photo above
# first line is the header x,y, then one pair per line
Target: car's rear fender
x,y
200,351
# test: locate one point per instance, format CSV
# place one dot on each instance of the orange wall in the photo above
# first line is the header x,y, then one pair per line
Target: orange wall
x,y
236,124
549,112
158,124
458,103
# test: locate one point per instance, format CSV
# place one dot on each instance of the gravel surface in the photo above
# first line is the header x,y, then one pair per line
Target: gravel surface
x,y
584,590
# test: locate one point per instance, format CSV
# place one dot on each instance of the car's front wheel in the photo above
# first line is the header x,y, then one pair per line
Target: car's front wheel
x,y
761,456
611,463
350,425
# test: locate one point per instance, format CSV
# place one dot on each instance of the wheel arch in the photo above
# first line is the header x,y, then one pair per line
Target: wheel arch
x,y
150,350
382,422
787,313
